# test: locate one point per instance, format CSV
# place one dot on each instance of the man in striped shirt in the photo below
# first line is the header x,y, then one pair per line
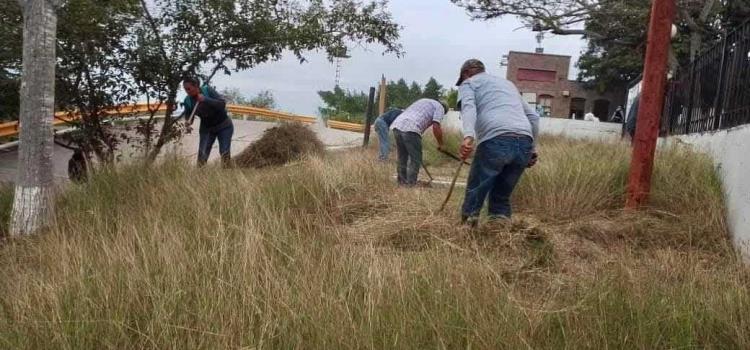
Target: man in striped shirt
x,y
408,129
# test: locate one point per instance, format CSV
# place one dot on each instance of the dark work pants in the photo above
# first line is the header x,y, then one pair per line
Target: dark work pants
x,y
409,147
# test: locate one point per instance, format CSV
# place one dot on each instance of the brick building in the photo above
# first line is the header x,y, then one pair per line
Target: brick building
x,y
543,81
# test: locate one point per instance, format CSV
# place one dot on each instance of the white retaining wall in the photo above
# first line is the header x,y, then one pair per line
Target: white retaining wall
x,y
730,150
577,129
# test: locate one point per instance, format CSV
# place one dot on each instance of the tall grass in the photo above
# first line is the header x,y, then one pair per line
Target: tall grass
x,y
329,254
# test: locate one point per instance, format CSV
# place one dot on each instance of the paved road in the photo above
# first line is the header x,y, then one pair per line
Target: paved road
x,y
245,133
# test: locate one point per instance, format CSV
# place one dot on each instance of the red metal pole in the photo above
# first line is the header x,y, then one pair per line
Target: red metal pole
x,y
651,102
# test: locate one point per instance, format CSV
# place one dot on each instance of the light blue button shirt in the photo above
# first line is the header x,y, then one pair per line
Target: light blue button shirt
x,y
492,106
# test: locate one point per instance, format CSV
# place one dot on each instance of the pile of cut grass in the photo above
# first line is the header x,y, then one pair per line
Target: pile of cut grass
x,y
330,254
280,145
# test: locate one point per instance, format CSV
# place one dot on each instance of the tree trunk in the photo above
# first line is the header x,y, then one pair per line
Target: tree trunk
x,y
33,202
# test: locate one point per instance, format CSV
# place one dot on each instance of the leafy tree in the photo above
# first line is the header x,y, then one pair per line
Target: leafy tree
x,y
182,37
397,94
451,98
350,105
264,99
415,92
556,16
343,105
433,90
616,29
615,58
11,26
234,96
91,77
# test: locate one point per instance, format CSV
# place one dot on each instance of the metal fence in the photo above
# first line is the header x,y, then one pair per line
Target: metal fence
x,y
713,93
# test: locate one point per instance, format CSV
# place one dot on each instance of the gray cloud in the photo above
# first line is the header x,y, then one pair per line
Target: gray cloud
x,y
437,37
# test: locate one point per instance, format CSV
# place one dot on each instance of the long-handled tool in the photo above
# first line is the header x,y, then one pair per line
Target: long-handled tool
x,y
427,172
192,115
453,156
453,184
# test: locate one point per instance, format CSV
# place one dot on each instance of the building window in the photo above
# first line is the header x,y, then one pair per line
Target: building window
x,y
545,105
577,107
536,75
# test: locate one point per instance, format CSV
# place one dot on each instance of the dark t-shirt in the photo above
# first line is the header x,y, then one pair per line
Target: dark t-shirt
x,y
390,116
212,110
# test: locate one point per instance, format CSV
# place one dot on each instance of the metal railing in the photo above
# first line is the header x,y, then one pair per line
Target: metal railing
x,y
713,93
335,124
63,118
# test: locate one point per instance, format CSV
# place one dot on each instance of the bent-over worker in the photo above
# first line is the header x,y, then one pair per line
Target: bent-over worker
x,y
215,121
502,127
408,129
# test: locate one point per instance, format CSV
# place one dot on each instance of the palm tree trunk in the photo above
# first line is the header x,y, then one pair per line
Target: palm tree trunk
x,y
33,203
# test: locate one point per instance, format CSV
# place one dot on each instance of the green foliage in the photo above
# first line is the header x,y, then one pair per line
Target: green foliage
x,y
111,52
349,106
234,96
451,98
343,105
10,59
401,95
433,90
91,71
398,94
264,99
6,205
176,39
614,56
616,30
616,49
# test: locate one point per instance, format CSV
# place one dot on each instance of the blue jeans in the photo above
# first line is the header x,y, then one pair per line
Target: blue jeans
x,y
381,127
206,143
497,167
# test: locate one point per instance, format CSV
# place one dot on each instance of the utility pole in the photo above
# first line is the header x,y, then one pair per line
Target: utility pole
x,y
651,102
383,90
368,116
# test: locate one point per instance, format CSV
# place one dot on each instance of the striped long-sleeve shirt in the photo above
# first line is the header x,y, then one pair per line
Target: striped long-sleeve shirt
x,y
419,116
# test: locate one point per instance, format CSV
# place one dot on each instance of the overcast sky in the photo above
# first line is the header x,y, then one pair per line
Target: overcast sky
x,y
437,37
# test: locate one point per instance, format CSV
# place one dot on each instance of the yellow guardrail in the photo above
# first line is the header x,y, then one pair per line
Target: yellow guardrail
x,y
335,124
60,118
267,113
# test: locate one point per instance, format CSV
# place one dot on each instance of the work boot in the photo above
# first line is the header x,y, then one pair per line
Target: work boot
x,y
226,161
471,221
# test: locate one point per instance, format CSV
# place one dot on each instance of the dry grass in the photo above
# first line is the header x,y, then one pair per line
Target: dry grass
x,y
280,145
329,254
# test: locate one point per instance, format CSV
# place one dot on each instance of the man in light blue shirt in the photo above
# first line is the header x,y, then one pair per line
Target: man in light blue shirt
x,y
503,128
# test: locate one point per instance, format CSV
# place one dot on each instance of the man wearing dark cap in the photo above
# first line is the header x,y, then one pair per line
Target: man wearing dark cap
x,y
382,127
503,128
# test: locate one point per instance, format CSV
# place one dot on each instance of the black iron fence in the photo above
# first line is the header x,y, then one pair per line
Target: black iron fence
x,y
713,93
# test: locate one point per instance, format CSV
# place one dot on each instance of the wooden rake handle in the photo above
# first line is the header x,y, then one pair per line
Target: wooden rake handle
x,y
453,184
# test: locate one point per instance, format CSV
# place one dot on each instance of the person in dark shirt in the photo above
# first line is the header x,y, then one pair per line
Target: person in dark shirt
x,y
215,121
619,115
77,169
382,127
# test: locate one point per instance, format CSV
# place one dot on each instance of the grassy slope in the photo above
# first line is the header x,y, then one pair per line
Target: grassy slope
x,y
329,254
